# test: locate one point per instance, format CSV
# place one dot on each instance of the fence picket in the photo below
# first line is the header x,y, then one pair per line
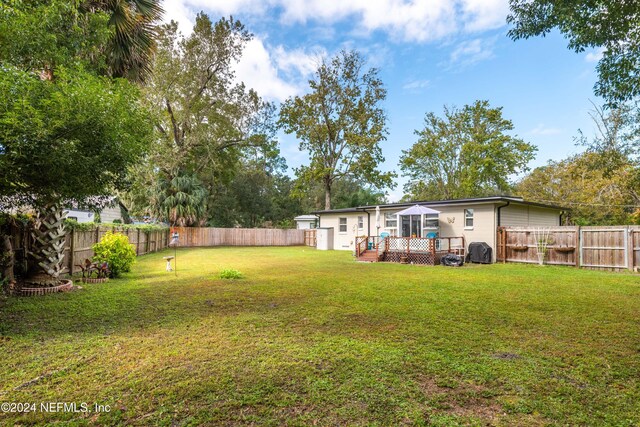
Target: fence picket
x,y
594,247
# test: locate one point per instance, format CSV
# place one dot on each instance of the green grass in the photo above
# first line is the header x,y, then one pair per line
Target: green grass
x,y
313,338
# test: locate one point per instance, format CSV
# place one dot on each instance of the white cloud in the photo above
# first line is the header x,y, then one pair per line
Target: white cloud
x,y
481,15
297,60
471,52
179,11
595,56
408,20
543,130
416,85
259,71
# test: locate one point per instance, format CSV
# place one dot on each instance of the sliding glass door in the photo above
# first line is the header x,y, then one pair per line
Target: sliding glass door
x,y
411,225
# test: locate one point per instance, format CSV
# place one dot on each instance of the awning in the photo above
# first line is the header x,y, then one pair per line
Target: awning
x,y
418,210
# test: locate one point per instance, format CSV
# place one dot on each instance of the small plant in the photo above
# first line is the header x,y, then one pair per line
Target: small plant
x,y
543,240
230,273
115,250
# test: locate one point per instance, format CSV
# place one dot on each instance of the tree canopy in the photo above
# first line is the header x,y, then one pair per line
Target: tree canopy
x,y
340,123
593,197
611,25
66,130
466,153
208,125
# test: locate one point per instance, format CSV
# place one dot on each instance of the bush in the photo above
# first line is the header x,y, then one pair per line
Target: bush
x,y
230,273
114,249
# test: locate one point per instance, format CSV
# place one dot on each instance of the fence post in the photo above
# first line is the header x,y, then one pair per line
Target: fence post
x,y
578,247
138,243
97,234
72,248
628,237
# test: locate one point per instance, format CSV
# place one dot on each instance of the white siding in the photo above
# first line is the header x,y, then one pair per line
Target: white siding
x,y
528,216
81,216
109,214
345,241
304,224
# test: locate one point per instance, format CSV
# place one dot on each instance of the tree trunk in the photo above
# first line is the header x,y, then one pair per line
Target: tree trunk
x,y
327,193
9,261
327,199
47,250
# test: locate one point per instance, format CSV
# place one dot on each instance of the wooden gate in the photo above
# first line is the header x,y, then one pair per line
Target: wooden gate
x,y
310,237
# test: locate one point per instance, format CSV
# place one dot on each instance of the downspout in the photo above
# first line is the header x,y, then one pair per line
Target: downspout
x,y
368,220
499,223
499,208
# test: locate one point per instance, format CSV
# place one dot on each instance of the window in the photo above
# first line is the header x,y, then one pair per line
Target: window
x,y
360,223
468,218
431,221
390,220
343,225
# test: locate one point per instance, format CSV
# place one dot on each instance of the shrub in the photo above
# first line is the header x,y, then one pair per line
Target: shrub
x,y
230,273
114,249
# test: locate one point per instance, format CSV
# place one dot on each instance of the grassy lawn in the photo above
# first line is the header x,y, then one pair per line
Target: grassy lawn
x,y
314,338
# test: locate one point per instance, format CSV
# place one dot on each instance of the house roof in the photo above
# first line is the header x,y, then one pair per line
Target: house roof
x,y
305,218
492,199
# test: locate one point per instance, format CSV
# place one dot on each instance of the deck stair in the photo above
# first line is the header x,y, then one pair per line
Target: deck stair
x,y
368,256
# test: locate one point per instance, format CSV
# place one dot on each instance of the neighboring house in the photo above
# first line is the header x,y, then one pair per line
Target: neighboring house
x,y
114,210
474,219
305,222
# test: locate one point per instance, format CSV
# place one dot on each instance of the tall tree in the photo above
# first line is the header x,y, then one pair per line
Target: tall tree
x,y
466,153
204,119
340,123
66,132
615,139
611,25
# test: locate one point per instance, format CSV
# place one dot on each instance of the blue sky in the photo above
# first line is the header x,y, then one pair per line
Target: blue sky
x,y
429,52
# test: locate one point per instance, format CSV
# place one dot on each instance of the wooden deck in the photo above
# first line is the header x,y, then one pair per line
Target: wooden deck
x,y
407,250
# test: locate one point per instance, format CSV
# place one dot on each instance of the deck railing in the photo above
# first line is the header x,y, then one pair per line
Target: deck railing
x,y
367,243
419,250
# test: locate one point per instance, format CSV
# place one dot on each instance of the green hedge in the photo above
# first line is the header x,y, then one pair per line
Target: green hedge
x,y
88,226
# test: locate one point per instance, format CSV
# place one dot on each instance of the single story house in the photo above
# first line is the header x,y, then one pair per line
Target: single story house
x,y
306,222
114,210
474,219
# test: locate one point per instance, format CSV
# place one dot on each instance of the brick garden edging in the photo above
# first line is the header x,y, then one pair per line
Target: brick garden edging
x,y
66,285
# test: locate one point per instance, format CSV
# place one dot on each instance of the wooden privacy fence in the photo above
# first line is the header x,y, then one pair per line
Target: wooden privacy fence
x,y
209,236
595,247
78,243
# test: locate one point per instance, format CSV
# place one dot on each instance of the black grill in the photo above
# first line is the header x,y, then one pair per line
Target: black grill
x,y
479,252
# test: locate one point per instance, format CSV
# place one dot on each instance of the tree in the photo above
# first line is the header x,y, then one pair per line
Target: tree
x,y
611,25
616,134
66,133
595,198
205,120
345,193
115,38
132,43
180,201
466,153
340,123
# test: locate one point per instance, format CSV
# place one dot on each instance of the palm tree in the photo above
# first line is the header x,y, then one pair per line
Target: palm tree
x,y
132,44
181,200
